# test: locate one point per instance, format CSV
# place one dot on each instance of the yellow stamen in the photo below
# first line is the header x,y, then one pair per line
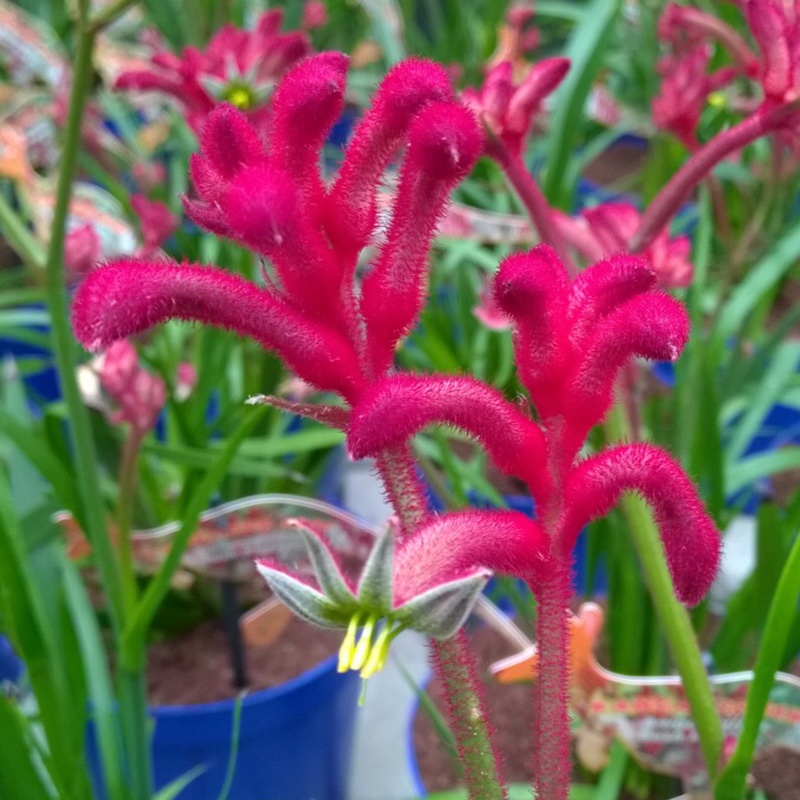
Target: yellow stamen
x,y
348,648
380,651
240,97
364,643
717,100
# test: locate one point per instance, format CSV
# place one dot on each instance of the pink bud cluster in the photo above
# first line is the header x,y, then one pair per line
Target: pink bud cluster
x,y
508,110
138,395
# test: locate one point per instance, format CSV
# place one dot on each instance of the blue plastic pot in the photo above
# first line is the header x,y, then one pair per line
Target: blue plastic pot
x,y
11,667
42,386
295,740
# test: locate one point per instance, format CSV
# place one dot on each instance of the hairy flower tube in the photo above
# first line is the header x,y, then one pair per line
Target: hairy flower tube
x,y
429,582
240,67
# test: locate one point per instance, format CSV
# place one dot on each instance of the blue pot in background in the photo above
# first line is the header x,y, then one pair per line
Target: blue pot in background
x,y
780,427
294,740
41,385
11,667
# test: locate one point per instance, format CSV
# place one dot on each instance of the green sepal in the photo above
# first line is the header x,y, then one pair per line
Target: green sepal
x,y
305,601
375,585
441,611
330,578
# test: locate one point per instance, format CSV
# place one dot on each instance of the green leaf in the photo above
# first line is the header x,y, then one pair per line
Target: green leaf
x,y
174,788
19,774
98,680
782,370
753,468
586,51
760,280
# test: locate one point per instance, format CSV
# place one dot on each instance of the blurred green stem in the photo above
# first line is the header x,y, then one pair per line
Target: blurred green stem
x,y
91,513
133,705
127,489
673,616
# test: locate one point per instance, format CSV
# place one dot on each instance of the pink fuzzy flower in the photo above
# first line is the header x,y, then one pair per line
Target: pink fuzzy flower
x,y
238,66
507,110
272,199
775,25
685,88
607,229
82,249
156,221
138,395
571,340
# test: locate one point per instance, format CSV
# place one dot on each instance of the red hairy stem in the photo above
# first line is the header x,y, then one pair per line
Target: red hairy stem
x,y
404,491
551,735
532,198
680,186
452,660
454,664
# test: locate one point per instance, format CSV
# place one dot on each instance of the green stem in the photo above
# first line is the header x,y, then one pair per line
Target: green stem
x,y
673,616
127,489
107,15
63,342
132,691
454,663
733,780
532,198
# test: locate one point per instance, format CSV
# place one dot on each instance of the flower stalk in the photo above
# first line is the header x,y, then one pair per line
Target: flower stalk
x,y
673,616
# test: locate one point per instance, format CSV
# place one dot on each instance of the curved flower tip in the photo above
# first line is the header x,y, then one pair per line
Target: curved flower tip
x,y
691,540
307,103
398,407
445,142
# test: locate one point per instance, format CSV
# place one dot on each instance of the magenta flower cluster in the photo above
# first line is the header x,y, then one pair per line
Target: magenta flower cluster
x,y
572,337
339,333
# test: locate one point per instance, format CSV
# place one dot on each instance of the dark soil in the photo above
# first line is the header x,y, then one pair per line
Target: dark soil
x,y
777,771
510,709
196,668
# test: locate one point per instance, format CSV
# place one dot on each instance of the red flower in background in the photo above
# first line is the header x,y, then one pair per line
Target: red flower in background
x,y
238,66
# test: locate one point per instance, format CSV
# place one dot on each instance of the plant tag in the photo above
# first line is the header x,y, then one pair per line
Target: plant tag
x,y
262,625
650,715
